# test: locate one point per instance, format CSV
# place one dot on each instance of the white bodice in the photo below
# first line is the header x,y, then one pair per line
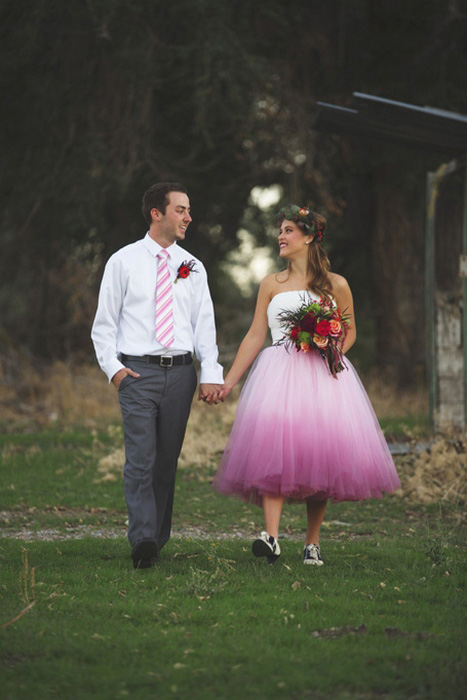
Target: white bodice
x,y
286,301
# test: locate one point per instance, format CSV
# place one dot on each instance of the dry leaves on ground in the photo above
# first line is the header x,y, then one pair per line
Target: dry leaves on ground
x,y
438,473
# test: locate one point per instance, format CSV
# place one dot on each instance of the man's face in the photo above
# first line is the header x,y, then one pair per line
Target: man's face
x,y
175,221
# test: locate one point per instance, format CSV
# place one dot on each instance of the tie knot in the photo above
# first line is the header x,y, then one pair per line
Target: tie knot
x,y
163,254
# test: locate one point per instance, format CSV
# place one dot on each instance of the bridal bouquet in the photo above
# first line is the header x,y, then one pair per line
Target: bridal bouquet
x,y
317,326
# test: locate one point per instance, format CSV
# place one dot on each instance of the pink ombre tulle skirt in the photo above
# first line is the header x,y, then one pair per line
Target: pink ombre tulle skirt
x,y
301,433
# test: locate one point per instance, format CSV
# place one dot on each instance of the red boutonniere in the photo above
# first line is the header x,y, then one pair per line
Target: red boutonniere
x,y
185,269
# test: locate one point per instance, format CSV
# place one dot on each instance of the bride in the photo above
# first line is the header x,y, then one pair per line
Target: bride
x,y
302,432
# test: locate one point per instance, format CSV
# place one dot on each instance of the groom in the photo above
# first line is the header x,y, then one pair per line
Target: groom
x,y
154,311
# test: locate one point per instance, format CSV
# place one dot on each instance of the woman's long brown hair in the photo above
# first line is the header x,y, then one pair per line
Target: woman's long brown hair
x,y
319,264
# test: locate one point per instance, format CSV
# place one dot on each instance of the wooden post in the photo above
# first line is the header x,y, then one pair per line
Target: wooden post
x,y
464,292
430,295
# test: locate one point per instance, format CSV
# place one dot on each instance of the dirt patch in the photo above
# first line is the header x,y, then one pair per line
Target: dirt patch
x,y
52,534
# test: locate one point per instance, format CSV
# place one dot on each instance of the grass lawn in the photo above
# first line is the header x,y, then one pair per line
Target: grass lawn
x,y
384,618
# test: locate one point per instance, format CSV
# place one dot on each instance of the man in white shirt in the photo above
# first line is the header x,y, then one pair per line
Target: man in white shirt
x,y
155,378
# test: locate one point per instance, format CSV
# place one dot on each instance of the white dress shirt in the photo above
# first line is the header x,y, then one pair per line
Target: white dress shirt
x,y
125,320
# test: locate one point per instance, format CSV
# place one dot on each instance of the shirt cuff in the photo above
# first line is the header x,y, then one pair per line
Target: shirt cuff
x,y
212,375
112,367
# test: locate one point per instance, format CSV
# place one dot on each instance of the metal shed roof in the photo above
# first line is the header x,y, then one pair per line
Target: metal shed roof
x,y
426,127
431,129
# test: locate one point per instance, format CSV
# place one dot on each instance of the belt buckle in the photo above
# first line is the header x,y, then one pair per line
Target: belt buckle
x,y
167,360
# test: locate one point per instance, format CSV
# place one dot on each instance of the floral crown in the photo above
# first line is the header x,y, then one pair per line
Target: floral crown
x,y
302,215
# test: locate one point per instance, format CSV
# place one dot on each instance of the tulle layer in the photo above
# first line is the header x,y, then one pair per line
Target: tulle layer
x,y
301,433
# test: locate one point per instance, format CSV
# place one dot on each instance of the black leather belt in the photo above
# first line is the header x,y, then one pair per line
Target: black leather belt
x,y
162,360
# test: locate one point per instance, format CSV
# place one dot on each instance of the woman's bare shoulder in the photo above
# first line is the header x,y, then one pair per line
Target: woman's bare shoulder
x,y
273,280
338,282
265,290
269,279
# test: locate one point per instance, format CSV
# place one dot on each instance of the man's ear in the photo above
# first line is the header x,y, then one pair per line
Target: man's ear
x,y
156,215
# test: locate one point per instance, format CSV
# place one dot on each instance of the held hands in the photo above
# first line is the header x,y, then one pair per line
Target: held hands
x,y
118,376
210,393
225,390
213,393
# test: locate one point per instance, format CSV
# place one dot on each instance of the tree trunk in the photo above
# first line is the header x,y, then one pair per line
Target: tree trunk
x,y
397,260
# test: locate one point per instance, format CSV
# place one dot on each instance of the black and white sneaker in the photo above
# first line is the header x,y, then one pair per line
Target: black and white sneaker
x,y
266,546
312,555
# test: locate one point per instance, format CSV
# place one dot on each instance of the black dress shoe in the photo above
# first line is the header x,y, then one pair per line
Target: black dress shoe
x,y
144,554
144,563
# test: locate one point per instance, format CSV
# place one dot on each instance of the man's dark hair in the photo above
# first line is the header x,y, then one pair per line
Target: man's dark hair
x,y
156,197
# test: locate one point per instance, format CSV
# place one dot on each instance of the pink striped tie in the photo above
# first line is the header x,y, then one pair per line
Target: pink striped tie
x,y
164,303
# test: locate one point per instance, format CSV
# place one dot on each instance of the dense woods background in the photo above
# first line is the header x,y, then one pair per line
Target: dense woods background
x,y
101,98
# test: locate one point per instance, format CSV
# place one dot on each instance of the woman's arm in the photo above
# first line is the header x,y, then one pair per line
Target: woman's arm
x,y
343,296
253,341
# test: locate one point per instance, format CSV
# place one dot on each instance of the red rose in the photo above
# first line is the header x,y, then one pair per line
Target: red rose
x,y
323,328
308,323
294,333
183,271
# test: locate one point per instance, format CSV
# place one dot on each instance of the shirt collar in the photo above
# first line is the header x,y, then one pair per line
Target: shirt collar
x,y
154,247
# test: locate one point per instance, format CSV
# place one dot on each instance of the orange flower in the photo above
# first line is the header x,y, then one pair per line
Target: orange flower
x,y
320,341
304,346
335,328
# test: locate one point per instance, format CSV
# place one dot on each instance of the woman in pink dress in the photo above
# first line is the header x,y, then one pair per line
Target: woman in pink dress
x,y
301,432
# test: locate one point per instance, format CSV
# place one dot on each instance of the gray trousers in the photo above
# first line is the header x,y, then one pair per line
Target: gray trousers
x,y
155,409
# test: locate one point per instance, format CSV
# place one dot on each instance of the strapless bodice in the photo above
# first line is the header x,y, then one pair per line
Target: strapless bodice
x,y
286,301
